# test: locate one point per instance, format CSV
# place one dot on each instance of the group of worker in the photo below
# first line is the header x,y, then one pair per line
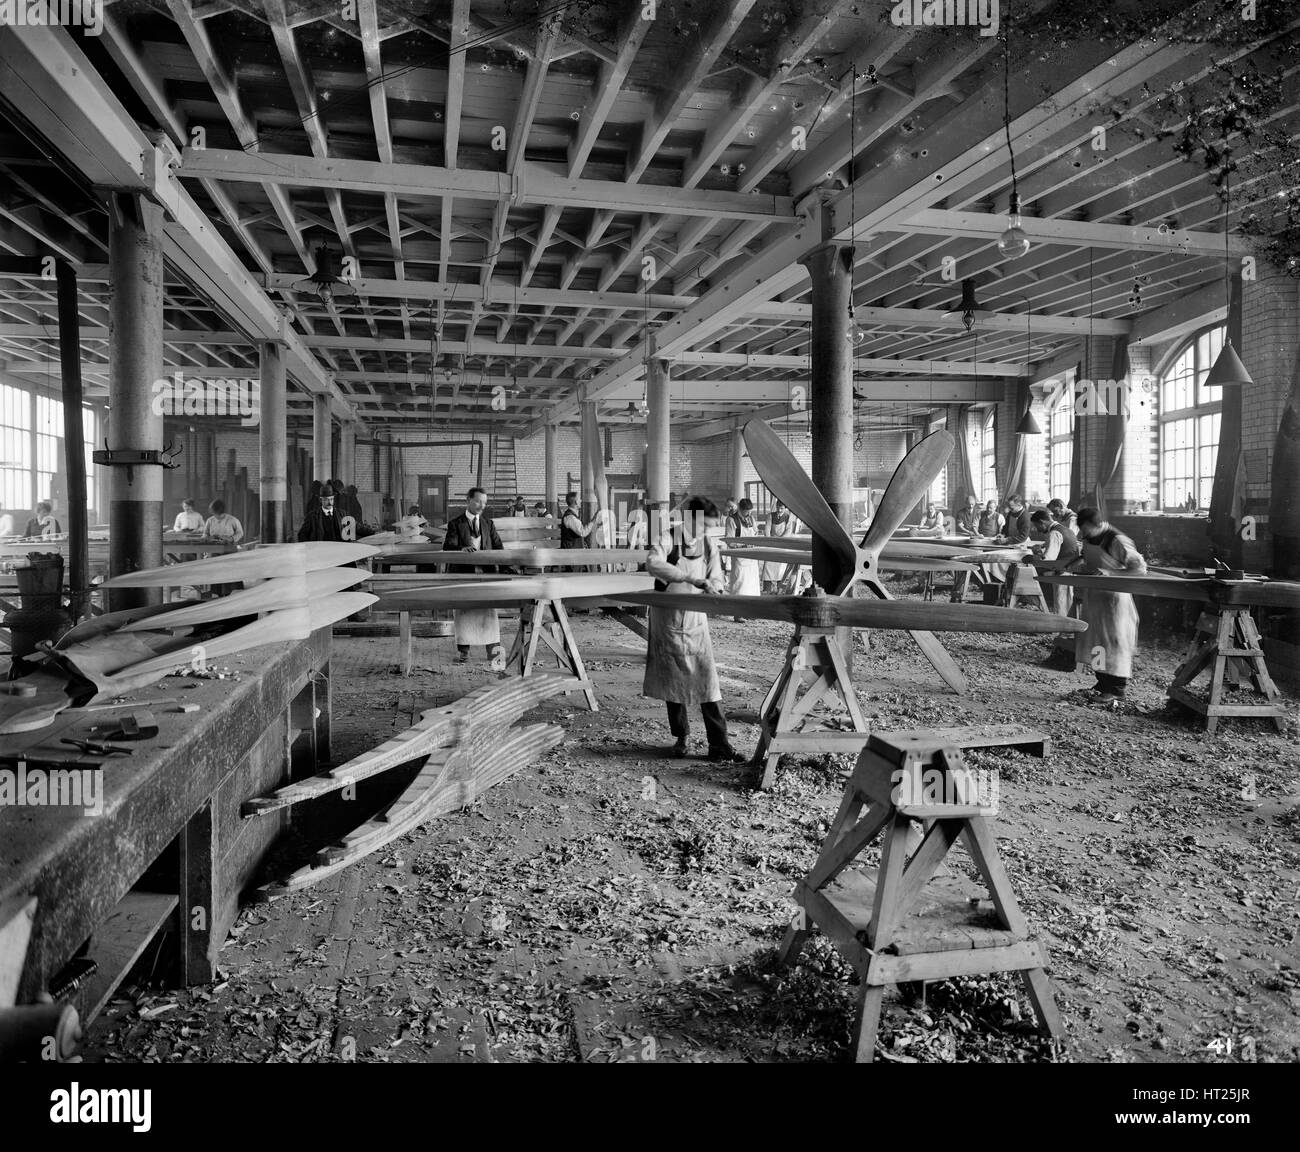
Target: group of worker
x,y
219,526
41,526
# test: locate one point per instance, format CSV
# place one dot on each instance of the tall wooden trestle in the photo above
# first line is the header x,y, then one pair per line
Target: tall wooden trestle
x,y
534,626
889,929
784,711
1227,643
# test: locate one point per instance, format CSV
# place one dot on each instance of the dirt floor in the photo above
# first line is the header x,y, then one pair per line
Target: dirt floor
x,y
610,903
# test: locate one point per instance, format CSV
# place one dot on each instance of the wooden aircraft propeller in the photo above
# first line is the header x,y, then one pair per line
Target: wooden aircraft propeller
x,y
847,612
787,480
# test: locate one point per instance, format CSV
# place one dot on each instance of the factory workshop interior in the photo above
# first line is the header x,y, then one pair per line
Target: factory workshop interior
x,y
378,380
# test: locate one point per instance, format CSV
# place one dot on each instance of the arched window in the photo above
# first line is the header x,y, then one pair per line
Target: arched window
x,y
1060,435
988,458
1189,424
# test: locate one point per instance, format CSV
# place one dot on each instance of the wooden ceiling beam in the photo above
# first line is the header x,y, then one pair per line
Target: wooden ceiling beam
x,y
593,117
963,148
530,183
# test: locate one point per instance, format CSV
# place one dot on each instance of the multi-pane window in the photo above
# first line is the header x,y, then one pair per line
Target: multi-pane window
x,y
31,450
1060,439
15,449
988,458
1189,425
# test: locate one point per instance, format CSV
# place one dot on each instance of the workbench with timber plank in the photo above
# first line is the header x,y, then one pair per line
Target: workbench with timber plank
x,y
1227,643
169,847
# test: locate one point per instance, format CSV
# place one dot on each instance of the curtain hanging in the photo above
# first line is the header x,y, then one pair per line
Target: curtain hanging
x,y
962,426
1116,429
1015,475
1224,535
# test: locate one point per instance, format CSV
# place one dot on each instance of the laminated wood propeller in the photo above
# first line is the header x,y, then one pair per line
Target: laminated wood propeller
x,y
847,612
787,480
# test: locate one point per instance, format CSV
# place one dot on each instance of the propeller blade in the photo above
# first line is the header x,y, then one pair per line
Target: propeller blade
x,y
289,624
908,485
282,592
574,586
255,564
1168,587
941,660
787,480
845,611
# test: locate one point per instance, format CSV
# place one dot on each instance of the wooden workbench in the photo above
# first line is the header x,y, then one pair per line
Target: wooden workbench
x,y
170,834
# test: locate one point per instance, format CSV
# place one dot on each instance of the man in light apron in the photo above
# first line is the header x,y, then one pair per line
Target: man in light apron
x,y
1108,645
679,665
472,531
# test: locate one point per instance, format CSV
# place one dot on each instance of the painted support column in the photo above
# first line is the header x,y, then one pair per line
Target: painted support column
x,y
273,447
737,464
74,459
135,336
587,433
657,445
830,268
348,453
551,489
321,427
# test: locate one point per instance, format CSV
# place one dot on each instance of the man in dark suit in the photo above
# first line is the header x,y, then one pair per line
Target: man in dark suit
x,y
473,531
322,521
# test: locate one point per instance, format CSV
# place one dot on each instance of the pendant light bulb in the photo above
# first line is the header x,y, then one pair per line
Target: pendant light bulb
x,y
1013,243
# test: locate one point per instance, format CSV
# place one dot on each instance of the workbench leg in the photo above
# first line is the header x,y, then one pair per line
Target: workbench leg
x,y
794,940
322,715
404,656
1039,990
196,910
870,1000
575,657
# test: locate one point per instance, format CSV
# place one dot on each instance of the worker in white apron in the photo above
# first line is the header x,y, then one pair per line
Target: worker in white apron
x,y
1108,645
679,668
471,531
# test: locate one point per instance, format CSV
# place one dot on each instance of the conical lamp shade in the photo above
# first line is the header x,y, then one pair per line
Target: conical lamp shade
x,y
1028,425
1228,370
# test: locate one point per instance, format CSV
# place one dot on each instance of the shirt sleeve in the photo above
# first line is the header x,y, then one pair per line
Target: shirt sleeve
x,y
657,565
239,531
1053,549
714,569
575,525
1125,552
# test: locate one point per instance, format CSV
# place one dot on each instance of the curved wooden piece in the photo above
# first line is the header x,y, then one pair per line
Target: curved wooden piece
x,y
843,611
788,481
561,587
279,593
908,486
261,563
499,705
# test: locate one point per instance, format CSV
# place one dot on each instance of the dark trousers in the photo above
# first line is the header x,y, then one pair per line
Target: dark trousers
x,y
1113,684
715,723
491,649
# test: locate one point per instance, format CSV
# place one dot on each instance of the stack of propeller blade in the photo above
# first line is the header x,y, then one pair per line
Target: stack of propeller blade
x,y
299,590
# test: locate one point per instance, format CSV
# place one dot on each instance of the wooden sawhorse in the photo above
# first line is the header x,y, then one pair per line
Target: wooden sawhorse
x,y
534,625
784,711
888,929
1227,644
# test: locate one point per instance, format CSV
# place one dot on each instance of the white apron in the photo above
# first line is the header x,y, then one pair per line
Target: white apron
x,y
679,655
774,573
745,574
1111,617
476,625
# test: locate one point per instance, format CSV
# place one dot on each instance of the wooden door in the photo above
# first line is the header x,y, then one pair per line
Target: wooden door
x,y
432,498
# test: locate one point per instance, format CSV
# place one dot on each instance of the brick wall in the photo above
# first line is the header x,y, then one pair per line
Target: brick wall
x,y
1270,337
1168,540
